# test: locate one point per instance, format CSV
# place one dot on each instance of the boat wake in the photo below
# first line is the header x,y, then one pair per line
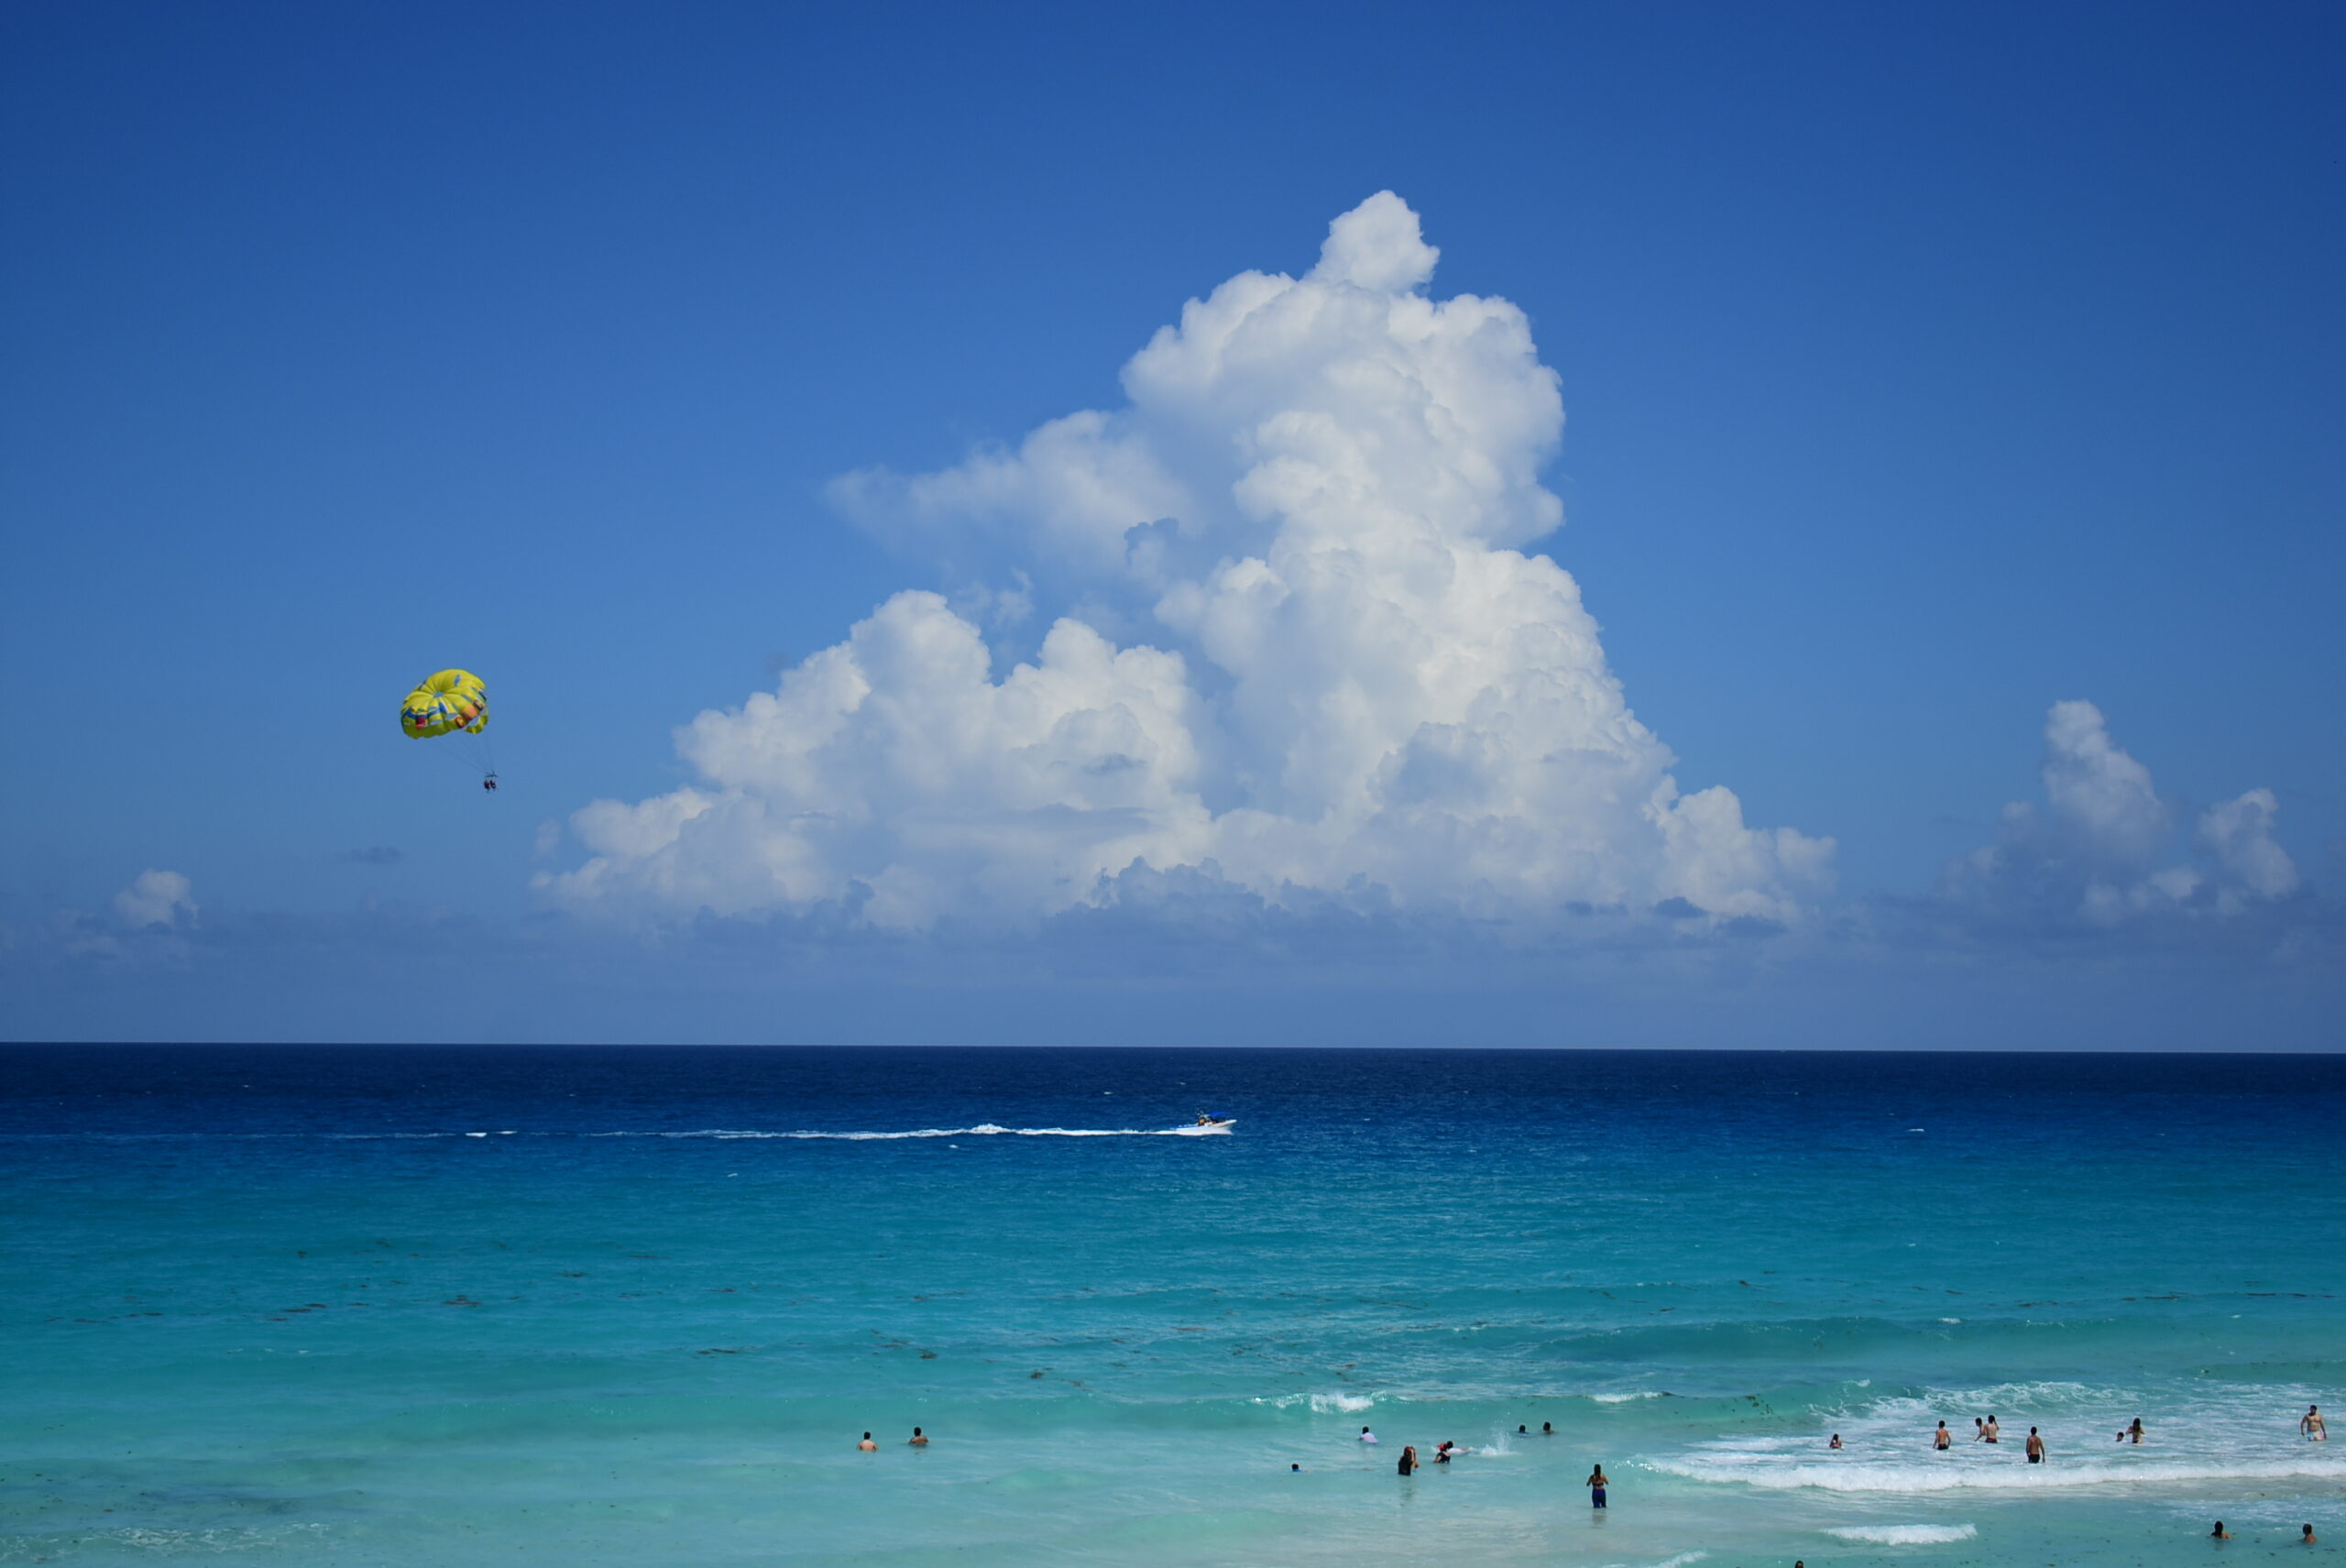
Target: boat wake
x,y
983,1130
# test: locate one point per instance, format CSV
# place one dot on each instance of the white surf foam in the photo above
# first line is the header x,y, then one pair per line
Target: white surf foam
x,y
1925,1477
1904,1534
2207,1433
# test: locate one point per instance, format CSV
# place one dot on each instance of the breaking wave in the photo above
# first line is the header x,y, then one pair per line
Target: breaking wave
x,y
1337,1404
1904,1534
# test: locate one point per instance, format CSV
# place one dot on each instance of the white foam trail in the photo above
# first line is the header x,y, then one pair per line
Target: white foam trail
x,y
1904,1534
983,1130
228,1137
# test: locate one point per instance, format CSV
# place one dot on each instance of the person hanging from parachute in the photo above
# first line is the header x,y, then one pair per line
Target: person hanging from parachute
x,y
450,702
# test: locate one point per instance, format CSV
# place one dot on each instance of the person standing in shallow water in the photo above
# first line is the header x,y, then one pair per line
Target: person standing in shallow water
x,y
2313,1426
2035,1447
2134,1429
1408,1459
867,1445
1596,1484
918,1439
1941,1439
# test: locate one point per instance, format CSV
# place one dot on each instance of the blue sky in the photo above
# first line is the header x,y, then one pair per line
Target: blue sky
x,y
1920,371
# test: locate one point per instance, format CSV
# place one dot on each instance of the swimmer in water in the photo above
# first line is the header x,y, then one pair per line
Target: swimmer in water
x,y
2035,1447
1991,1432
1441,1454
867,1445
1836,1442
1366,1436
2219,1532
918,1439
2313,1426
1596,1484
1523,1432
1547,1431
2134,1429
1941,1439
1295,1469
2307,1537
1408,1459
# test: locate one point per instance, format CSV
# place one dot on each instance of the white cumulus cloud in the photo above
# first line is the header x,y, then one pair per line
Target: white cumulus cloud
x,y
156,898
2101,849
1301,648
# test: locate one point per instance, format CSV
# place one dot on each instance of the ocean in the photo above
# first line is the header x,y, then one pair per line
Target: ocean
x,y
489,1305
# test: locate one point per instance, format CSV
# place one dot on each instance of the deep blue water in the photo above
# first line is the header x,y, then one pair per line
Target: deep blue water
x,y
454,1305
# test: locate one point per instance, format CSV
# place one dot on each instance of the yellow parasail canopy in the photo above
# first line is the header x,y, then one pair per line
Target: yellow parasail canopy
x,y
445,703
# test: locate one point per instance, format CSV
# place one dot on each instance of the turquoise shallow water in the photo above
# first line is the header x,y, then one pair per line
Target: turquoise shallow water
x,y
619,1306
